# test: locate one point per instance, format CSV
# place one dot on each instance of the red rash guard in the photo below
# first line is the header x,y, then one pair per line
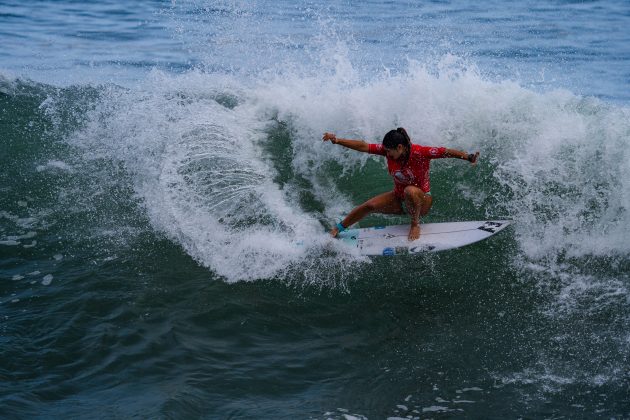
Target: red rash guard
x,y
416,170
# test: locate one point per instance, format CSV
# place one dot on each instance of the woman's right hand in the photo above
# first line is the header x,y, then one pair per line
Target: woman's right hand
x,y
330,137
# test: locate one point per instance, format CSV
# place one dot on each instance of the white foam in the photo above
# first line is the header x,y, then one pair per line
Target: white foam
x,y
28,235
549,382
560,156
353,417
201,176
48,278
26,222
204,181
55,165
472,388
434,409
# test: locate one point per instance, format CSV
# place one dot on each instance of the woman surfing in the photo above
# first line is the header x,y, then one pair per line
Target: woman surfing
x,y
408,164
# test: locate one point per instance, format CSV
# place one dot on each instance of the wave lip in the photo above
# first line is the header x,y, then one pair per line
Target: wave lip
x,y
193,159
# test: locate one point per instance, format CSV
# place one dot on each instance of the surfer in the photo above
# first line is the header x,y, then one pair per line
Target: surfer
x,y
408,164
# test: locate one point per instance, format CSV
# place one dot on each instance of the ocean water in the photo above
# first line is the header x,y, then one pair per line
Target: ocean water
x,y
160,160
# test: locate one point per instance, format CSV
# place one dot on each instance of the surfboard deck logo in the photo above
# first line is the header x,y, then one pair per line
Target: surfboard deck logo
x,y
492,227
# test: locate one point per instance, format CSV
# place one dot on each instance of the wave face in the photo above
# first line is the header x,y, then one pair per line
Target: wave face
x,y
227,165
235,171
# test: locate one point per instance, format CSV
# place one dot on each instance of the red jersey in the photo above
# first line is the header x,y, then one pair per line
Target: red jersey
x,y
416,169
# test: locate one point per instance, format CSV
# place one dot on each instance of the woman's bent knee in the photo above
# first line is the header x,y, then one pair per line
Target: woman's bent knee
x,y
412,191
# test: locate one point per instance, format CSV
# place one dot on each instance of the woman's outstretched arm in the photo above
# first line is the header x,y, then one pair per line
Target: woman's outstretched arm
x,y
358,145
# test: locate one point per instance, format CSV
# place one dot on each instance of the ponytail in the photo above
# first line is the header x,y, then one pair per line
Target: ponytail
x,y
406,136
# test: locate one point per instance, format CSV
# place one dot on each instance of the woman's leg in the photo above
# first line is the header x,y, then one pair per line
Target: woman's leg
x,y
385,203
418,204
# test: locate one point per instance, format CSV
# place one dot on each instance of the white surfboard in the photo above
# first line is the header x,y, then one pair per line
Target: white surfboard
x,y
392,240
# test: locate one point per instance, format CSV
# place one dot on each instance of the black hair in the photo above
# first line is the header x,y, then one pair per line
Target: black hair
x,y
395,137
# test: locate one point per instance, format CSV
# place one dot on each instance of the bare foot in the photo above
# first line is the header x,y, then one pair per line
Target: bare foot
x,y
414,232
334,232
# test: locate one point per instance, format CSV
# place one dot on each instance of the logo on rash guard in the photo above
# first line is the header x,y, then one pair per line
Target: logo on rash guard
x,y
434,151
404,176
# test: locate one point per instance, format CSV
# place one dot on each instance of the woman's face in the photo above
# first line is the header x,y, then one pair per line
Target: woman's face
x,y
395,153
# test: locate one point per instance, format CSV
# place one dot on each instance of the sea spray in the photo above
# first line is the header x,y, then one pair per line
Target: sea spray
x,y
194,162
199,163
